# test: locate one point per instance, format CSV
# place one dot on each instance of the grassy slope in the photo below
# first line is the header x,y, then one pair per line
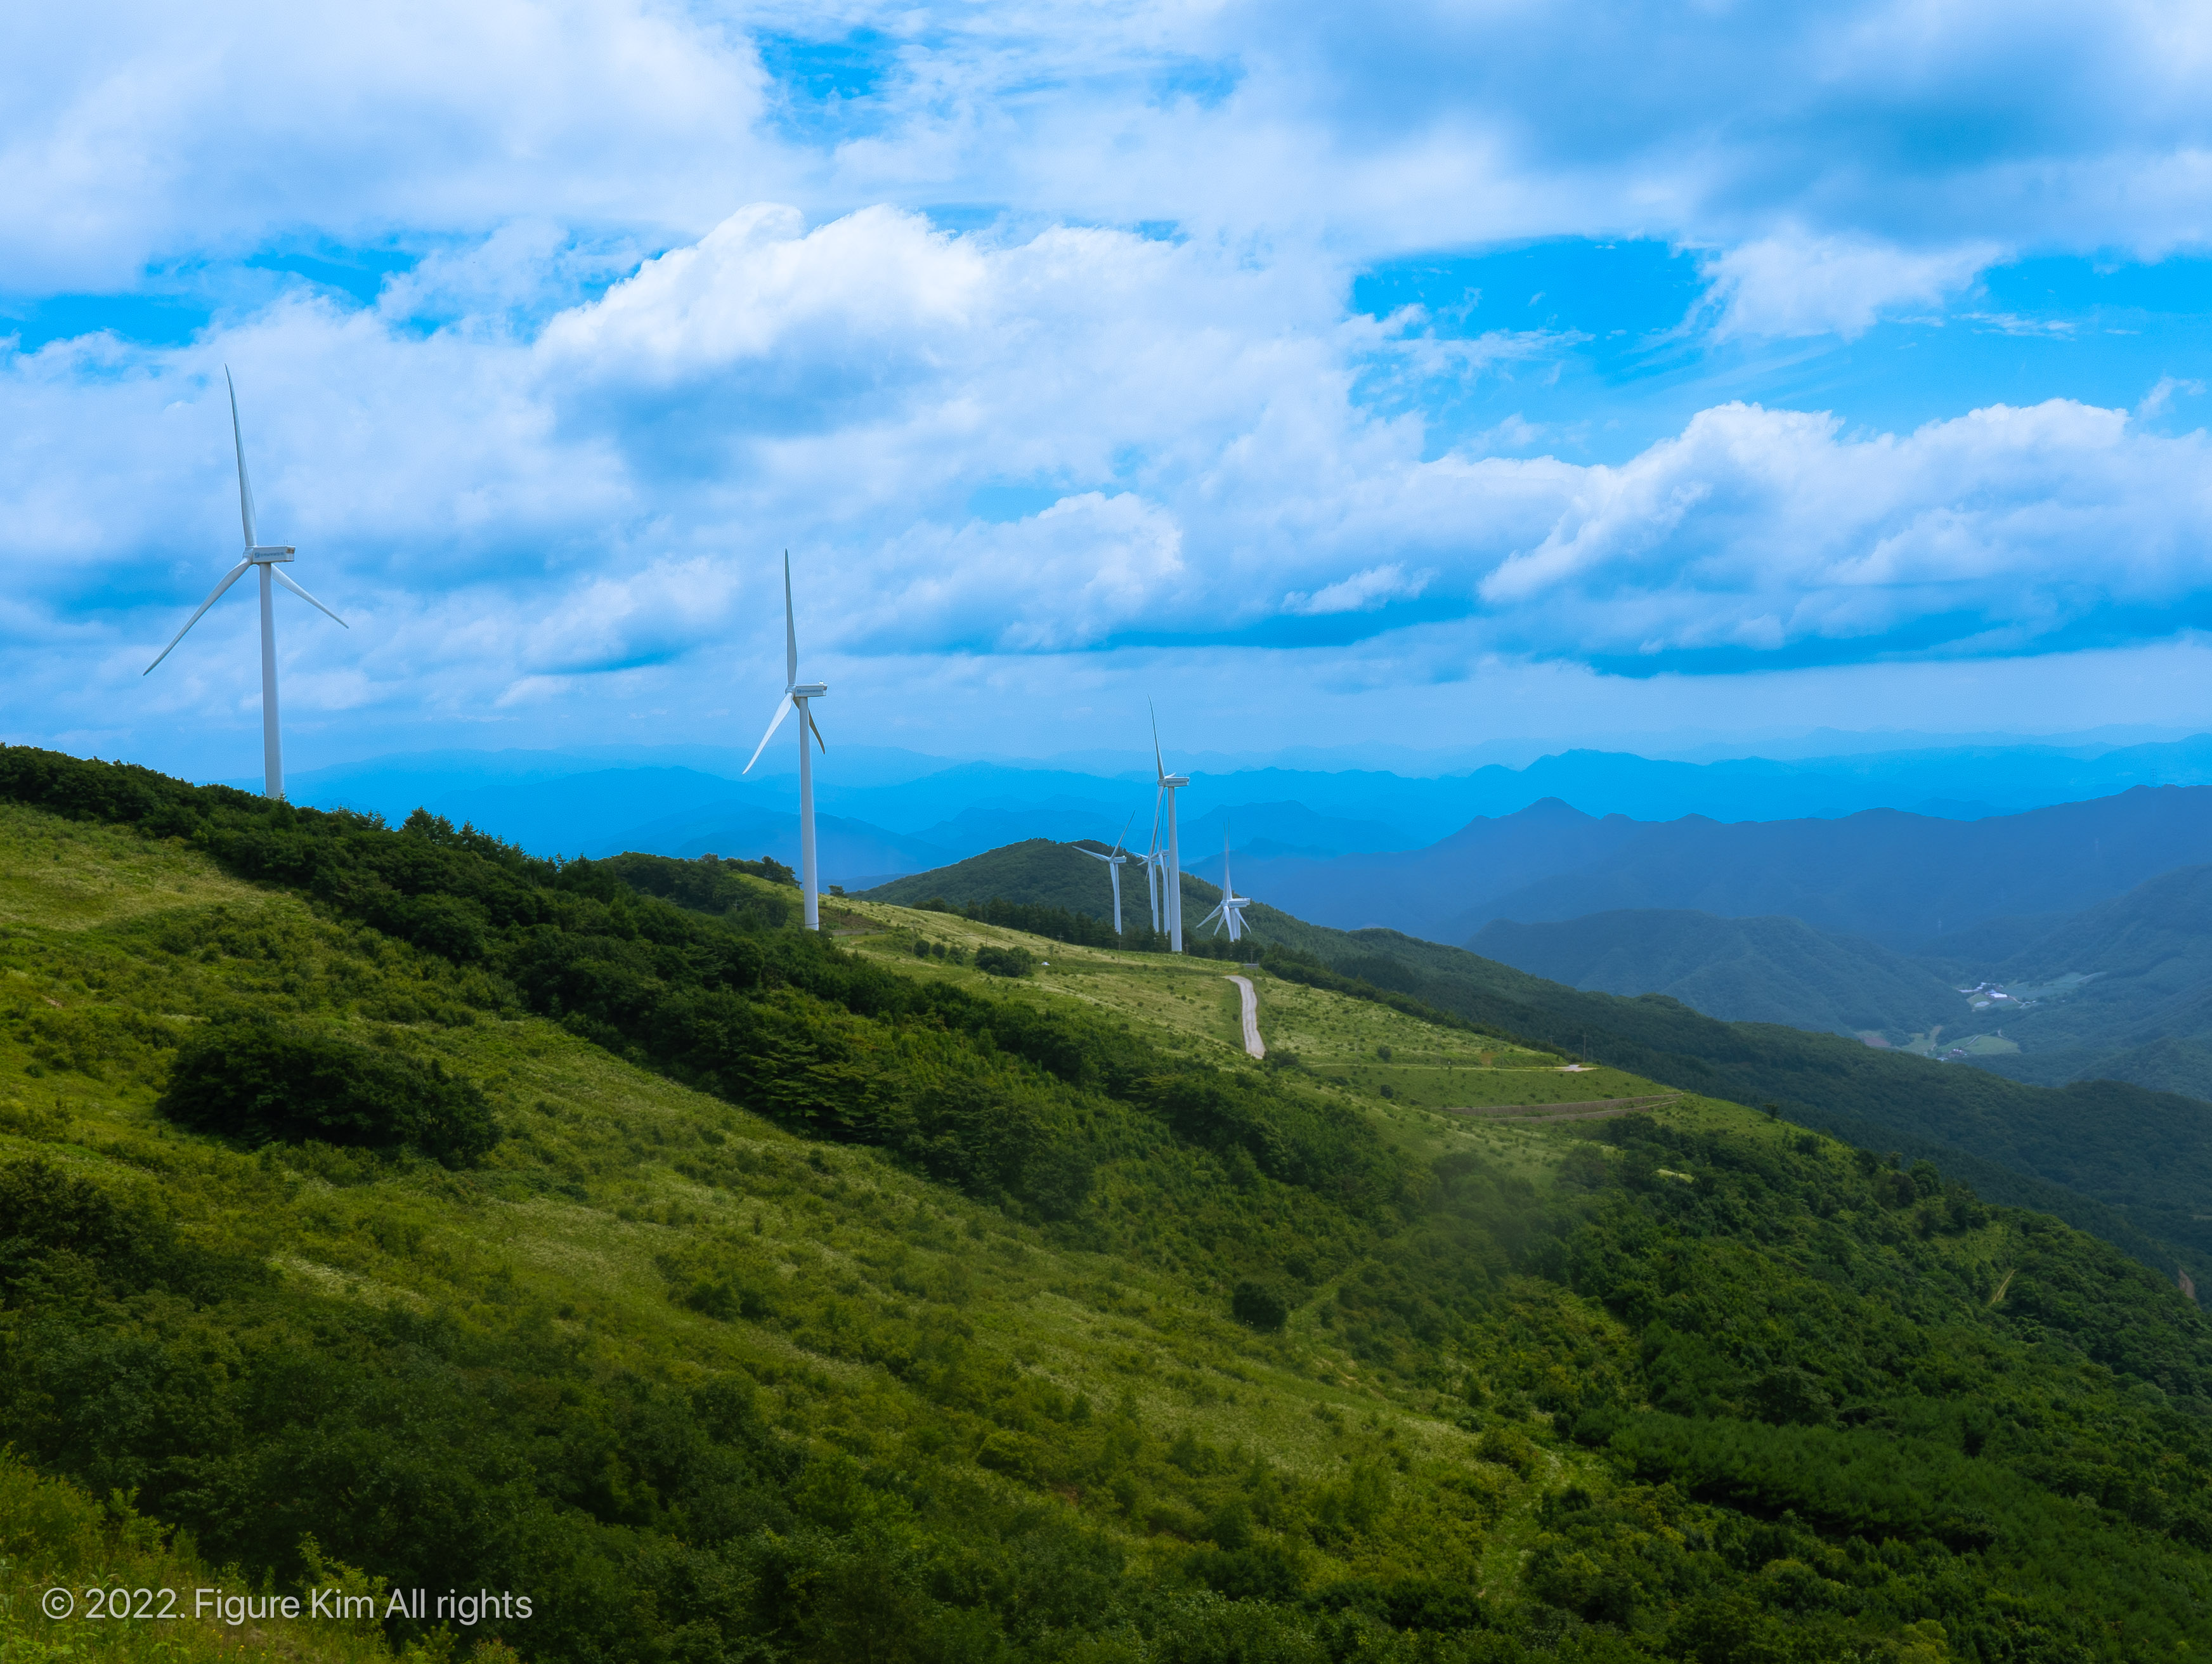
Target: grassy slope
x,y
589,1192
1048,873
2127,1163
616,1189
2131,1164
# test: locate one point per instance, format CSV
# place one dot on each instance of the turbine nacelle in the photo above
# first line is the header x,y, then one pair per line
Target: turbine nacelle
x,y
269,553
809,689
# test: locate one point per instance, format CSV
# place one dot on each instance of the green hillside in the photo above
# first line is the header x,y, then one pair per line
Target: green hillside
x,y
831,1296
1743,970
2131,1164
2145,1013
1037,870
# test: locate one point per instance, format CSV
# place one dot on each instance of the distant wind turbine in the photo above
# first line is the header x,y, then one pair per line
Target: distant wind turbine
x,y
267,557
1171,873
1230,912
1113,867
797,693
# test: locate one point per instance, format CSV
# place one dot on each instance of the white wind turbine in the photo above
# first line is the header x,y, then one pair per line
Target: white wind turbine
x,y
1230,912
1152,869
267,557
797,693
1171,872
1113,863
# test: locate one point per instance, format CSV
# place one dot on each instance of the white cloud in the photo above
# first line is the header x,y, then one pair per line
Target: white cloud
x,y
524,515
1772,531
134,133
1797,284
1363,592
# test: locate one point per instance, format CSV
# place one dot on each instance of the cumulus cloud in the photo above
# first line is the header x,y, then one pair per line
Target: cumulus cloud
x,y
1761,531
651,323
608,496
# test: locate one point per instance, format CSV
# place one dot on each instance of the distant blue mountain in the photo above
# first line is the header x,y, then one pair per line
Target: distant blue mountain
x,y
1894,878
635,798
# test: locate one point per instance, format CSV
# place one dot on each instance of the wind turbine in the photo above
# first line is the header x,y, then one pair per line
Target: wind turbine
x,y
1171,874
267,557
1230,912
1152,868
1114,867
797,693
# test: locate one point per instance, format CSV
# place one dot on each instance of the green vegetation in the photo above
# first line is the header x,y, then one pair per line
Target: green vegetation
x,y
2139,1018
2129,1164
260,1083
828,1302
1747,970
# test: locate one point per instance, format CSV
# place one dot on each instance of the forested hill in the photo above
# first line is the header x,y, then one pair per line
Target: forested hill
x,y
1753,970
382,1208
2131,1164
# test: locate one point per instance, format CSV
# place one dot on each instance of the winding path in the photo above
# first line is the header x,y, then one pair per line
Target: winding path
x,y
1252,1040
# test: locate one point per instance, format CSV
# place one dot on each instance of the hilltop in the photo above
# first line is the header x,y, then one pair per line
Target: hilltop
x,y
928,1288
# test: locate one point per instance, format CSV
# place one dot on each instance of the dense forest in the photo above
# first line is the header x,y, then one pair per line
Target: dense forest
x,y
382,1203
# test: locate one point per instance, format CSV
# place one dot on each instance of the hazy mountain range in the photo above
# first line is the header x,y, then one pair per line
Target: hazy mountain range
x,y
1750,970
906,811
1895,877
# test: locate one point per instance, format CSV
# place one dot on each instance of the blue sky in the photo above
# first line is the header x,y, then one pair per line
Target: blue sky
x,y
1463,372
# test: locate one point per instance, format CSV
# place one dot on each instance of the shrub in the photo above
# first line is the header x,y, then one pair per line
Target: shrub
x,y
1004,962
267,1083
1259,1307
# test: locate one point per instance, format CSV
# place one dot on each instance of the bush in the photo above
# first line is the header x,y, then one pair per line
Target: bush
x,y
266,1082
1259,1307
1004,962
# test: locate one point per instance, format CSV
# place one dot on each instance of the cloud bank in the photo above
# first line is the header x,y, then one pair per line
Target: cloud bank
x,y
1030,331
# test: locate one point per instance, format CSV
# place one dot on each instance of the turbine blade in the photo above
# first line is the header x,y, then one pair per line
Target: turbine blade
x,y
818,740
783,704
245,486
308,598
214,595
1159,763
1123,836
790,629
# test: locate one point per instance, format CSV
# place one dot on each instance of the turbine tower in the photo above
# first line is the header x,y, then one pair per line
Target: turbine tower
x,y
1171,872
266,557
1113,863
797,693
1152,869
1230,913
